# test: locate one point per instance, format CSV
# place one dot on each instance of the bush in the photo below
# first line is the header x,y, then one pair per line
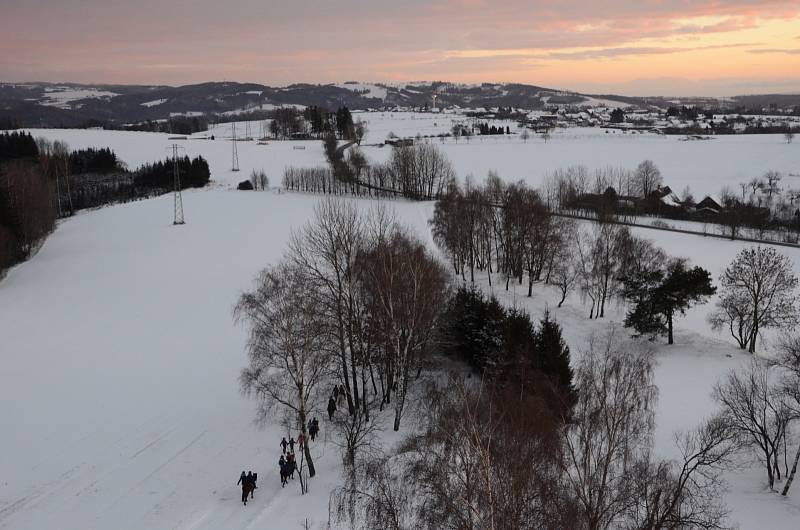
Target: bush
x,y
245,185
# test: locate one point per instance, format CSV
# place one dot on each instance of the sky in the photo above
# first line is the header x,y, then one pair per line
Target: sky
x,y
630,47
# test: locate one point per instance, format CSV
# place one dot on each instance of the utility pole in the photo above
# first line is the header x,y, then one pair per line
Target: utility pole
x,y
235,154
176,183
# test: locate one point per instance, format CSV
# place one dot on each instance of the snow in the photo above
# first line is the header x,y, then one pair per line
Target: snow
x,y
706,167
63,96
368,90
188,113
120,358
601,102
260,106
154,103
137,148
124,412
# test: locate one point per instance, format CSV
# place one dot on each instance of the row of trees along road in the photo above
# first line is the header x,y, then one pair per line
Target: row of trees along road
x,y
507,229
354,303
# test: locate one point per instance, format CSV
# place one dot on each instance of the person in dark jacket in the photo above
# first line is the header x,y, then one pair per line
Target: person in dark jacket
x,y
331,408
314,430
283,444
243,480
251,483
291,444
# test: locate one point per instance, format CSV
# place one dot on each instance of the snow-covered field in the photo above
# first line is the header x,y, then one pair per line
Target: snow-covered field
x,y
705,166
120,358
63,96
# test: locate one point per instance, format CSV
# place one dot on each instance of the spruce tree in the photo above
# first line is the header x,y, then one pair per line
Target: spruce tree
x,y
553,354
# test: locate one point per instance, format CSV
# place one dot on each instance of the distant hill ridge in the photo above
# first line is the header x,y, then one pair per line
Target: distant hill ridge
x,y
39,104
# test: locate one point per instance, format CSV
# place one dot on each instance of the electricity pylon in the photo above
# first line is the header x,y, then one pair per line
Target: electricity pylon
x,y
176,183
235,154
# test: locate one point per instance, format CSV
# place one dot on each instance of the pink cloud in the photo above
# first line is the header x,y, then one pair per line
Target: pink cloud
x,y
279,42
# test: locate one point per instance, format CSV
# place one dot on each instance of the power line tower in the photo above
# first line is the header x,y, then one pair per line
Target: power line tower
x,y
235,155
178,198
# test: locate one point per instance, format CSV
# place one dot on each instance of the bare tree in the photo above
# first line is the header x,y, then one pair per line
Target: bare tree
x,y
259,180
566,269
734,314
327,249
357,438
755,410
772,179
647,177
611,429
466,462
764,281
360,131
288,357
684,493
382,498
407,289
789,361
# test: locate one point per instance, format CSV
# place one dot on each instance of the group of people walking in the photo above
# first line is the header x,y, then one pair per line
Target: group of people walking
x,y
336,398
287,462
248,482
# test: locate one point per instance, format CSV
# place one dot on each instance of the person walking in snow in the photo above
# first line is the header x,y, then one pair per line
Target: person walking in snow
x,y
314,429
291,444
310,423
283,444
291,465
245,487
301,440
253,485
283,468
331,408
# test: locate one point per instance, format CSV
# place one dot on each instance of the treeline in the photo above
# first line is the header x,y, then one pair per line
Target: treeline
x,y
420,171
761,205
41,181
100,179
485,129
174,125
315,122
27,199
517,450
507,230
537,444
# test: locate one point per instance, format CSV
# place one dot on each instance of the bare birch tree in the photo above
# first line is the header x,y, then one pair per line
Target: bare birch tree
x,y
288,358
407,289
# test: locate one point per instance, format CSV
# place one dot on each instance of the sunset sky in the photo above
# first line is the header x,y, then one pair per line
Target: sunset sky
x,y
667,47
